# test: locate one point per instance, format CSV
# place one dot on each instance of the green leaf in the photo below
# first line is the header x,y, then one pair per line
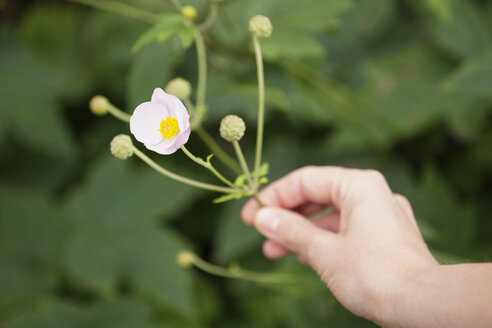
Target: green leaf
x,y
31,236
123,313
279,45
240,180
150,262
167,26
228,197
443,9
187,36
263,169
293,21
474,77
29,104
116,195
455,220
234,238
92,260
116,233
151,69
467,34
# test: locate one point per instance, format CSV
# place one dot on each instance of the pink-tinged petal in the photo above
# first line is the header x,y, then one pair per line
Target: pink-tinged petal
x,y
181,113
162,148
182,138
174,106
145,122
159,96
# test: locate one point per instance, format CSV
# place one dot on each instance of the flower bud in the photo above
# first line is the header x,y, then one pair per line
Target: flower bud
x,y
179,87
189,12
122,146
185,259
99,105
232,128
260,26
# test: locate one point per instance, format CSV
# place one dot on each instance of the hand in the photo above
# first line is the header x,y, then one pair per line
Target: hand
x,y
366,251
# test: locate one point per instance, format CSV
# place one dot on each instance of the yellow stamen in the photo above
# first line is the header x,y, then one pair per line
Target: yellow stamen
x,y
169,128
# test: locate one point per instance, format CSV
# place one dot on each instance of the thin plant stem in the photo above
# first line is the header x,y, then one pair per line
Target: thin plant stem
x,y
208,166
217,150
212,13
244,166
261,108
122,9
180,178
240,273
202,70
118,113
320,213
189,105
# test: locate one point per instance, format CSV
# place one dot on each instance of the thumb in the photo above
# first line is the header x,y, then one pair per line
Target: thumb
x,y
294,232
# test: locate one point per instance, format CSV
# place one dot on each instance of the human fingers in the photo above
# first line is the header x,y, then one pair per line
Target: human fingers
x,y
273,250
323,185
294,232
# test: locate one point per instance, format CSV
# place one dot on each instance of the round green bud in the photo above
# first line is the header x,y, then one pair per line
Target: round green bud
x,y
260,26
189,12
232,128
99,105
122,146
185,259
179,87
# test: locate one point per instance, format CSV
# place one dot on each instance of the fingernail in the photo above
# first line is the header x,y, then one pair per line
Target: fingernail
x,y
267,220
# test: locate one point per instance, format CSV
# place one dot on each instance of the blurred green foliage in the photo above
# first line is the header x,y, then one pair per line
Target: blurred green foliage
x,y
86,240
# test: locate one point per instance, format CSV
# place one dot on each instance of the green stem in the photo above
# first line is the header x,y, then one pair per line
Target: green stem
x,y
180,178
320,213
212,13
244,166
208,166
118,113
217,150
241,274
122,9
261,107
189,105
202,70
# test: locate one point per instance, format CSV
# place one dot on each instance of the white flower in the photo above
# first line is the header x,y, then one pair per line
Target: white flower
x,y
163,124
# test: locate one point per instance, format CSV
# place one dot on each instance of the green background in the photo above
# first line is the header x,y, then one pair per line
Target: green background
x,y
87,240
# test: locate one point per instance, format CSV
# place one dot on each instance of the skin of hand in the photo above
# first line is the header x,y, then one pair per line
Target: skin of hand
x,y
368,251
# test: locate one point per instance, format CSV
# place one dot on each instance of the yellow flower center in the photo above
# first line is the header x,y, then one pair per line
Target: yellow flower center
x,y
169,128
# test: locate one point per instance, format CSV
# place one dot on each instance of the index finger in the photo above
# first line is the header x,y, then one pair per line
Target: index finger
x,y
330,185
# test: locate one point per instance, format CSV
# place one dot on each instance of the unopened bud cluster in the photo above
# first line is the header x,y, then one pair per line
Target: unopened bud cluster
x,y
260,26
232,128
122,146
179,87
